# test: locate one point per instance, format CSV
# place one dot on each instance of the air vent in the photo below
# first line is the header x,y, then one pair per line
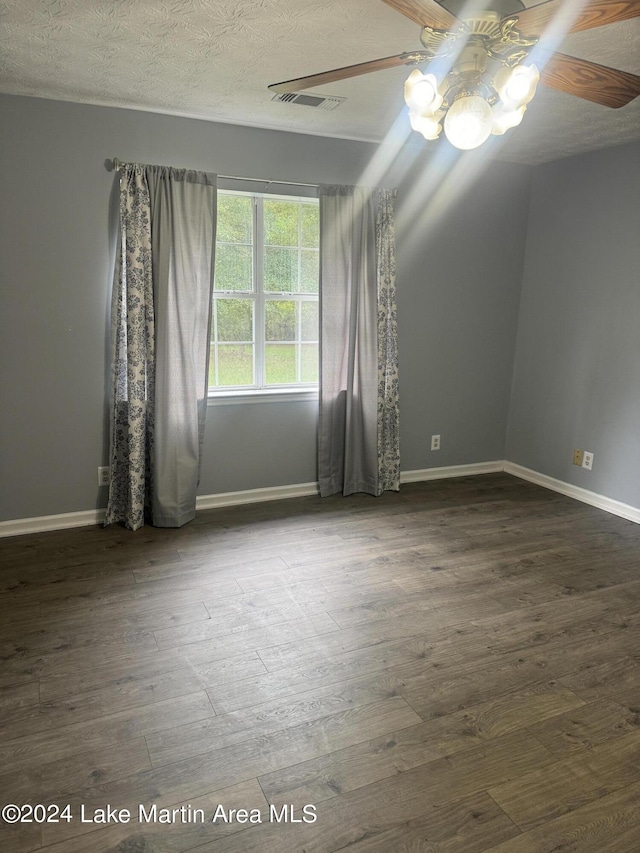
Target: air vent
x,y
319,102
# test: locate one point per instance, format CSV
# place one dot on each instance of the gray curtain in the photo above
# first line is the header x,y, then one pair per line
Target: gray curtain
x,y
161,328
358,441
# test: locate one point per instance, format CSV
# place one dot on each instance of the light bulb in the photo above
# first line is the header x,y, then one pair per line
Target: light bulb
x,y
517,86
428,126
421,93
468,122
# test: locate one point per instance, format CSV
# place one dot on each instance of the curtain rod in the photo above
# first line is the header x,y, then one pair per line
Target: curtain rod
x,y
118,163
266,181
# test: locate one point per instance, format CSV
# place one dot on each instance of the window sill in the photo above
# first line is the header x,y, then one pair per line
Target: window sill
x,y
277,395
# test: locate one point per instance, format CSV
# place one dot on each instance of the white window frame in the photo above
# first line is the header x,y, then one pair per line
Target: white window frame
x,y
260,392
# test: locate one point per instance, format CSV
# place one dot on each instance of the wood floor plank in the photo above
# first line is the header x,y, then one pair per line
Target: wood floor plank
x,y
136,598
177,837
18,591
438,641
246,550
533,626
559,653
619,678
186,740
348,769
74,632
20,837
160,674
448,691
611,824
465,608
17,696
403,658
327,594
545,794
19,749
209,569
53,779
242,612
131,692
470,825
18,614
586,726
24,664
375,809
298,625
51,567
377,568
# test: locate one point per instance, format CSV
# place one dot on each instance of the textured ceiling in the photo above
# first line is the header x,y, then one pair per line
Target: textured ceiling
x,y
213,59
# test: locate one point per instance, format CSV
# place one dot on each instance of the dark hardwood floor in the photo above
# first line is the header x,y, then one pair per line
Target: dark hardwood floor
x,y
451,669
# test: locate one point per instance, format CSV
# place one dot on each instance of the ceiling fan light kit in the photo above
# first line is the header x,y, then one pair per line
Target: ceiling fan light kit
x,y
483,79
472,110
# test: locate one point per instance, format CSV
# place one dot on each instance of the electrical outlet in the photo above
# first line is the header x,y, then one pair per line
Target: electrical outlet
x,y
435,442
104,476
578,456
587,461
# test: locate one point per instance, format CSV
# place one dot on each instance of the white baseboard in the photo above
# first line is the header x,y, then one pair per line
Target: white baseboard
x,y
449,471
299,490
631,513
252,496
44,523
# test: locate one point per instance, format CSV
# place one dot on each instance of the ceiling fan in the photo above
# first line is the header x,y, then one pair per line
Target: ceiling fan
x,y
478,81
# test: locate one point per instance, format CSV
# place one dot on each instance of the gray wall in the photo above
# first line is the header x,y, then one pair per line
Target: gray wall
x,y
577,367
459,274
458,291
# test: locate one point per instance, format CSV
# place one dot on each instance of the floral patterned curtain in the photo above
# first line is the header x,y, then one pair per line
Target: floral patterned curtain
x,y
160,331
388,394
358,443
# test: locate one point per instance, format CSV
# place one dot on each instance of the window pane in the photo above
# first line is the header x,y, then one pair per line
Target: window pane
x,y
310,321
280,320
280,270
233,268
212,366
310,271
235,319
258,310
309,357
310,225
280,222
235,364
235,218
281,366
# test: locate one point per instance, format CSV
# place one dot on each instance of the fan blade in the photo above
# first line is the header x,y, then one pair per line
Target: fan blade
x,y
348,71
427,13
597,83
596,13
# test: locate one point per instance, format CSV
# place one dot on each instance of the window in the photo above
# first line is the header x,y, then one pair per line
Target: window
x,y
265,301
